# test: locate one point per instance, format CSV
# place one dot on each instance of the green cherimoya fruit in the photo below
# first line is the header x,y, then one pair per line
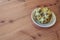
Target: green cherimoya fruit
x,y
43,15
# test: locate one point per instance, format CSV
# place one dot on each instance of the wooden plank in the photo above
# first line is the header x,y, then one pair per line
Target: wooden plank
x,y
16,23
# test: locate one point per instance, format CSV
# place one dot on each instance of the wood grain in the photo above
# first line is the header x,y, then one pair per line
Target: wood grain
x,y
16,23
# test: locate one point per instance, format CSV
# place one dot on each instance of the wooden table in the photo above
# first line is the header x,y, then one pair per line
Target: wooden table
x,y
16,23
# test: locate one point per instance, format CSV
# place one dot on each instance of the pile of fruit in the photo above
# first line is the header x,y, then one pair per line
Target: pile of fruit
x,y
42,15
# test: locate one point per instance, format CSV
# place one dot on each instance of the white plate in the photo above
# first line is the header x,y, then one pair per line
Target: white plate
x,y
50,24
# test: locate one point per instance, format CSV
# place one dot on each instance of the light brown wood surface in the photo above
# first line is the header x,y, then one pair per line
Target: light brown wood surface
x,y
17,24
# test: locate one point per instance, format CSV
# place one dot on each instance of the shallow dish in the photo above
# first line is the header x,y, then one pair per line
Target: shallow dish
x,y
50,24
